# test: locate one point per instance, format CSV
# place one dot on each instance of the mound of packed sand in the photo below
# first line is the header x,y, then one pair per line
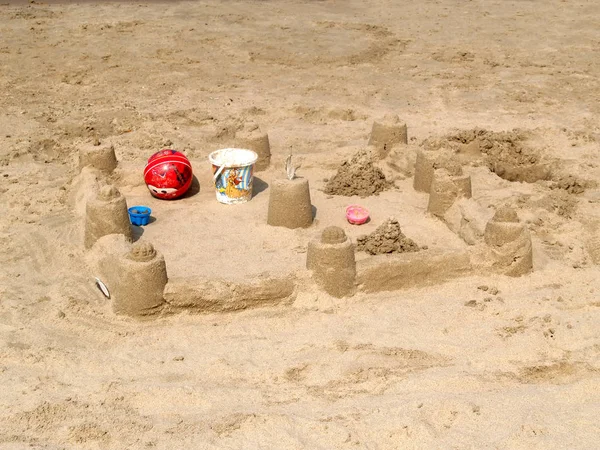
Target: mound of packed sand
x,y
387,238
509,154
358,176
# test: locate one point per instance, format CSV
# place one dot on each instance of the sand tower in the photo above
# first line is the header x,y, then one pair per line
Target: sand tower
x,y
142,277
424,168
106,214
509,242
448,184
253,138
331,260
289,201
101,157
386,133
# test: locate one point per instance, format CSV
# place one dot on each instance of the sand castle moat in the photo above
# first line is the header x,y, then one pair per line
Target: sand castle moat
x,y
293,235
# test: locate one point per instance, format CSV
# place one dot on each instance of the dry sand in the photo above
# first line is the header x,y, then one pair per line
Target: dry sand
x,y
480,362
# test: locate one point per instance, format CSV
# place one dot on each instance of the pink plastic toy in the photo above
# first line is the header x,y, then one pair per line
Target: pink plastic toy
x,y
357,215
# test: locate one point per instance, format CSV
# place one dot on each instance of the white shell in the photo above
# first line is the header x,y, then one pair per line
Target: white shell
x,y
102,287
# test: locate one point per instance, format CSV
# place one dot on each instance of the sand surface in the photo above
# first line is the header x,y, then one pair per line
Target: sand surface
x,y
479,362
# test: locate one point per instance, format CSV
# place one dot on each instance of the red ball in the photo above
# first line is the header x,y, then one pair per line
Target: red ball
x,y
168,174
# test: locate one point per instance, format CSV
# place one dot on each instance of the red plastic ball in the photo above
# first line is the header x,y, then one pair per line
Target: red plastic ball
x,y
168,174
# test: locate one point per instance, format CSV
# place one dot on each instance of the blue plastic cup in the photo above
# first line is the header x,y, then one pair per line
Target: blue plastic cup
x,y
139,215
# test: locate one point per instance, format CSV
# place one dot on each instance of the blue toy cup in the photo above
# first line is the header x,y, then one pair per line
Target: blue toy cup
x,y
139,215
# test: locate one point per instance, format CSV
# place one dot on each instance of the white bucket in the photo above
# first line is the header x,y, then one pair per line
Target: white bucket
x,y
233,174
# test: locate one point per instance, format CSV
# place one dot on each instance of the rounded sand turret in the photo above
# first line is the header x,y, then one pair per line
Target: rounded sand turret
x,y
331,260
509,242
106,214
142,277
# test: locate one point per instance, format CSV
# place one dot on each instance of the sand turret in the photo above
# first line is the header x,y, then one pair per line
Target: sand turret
x,y
106,214
289,204
142,277
447,186
509,242
386,133
99,156
331,260
424,168
253,138
289,200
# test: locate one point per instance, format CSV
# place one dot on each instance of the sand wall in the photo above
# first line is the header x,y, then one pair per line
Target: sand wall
x,y
213,295
426,267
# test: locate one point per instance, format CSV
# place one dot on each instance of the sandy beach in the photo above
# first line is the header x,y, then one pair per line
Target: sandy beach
x,y
480,361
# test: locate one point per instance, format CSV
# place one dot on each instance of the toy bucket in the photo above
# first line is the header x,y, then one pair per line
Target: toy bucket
x,y
139,215
232,170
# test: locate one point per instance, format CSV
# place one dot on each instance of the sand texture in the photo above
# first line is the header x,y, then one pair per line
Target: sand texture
x,y
486,338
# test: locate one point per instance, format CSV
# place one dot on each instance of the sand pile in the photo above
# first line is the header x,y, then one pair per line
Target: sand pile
x,y
358,176
509,154
387,238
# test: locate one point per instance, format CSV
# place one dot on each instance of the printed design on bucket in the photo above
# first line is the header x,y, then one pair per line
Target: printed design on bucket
x,y
235,183
233,171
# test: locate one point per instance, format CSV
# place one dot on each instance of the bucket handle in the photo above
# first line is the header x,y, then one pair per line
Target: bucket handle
x,y
218,173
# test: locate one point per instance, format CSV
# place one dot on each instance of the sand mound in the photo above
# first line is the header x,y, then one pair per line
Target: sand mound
x,y
358,176
387,238
506,153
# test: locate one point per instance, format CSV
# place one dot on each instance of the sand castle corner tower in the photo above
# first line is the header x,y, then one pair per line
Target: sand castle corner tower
x,y
253,138
509,242
331,260
424,169
142,278
101,157
106,214
386,133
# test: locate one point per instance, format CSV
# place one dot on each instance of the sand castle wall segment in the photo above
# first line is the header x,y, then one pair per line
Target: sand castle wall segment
x,y
216,295
405,270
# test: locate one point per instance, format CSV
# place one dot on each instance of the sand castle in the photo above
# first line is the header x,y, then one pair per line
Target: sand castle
x,y
137,273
